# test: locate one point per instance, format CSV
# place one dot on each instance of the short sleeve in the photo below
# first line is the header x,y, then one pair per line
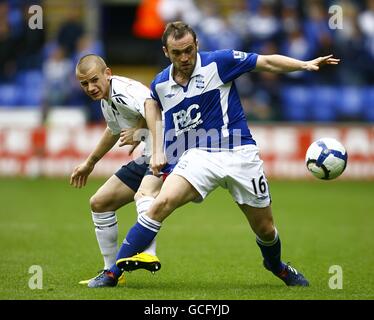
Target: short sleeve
x,y
137,96
232,64
154,94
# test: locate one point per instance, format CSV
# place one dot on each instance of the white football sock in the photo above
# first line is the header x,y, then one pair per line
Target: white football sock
x,y
142,206
106,229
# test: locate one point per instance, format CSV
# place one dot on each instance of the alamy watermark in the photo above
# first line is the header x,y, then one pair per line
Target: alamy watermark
x,y
176,142
36,18
336,18
36,280
336,280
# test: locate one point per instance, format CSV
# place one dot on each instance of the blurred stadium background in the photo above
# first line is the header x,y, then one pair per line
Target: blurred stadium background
x,y
47,124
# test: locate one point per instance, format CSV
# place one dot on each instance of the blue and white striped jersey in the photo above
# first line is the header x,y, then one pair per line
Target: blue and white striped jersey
x,y
207,112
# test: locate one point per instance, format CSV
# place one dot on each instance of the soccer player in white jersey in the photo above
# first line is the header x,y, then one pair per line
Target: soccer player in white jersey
x,y
207,142
122,104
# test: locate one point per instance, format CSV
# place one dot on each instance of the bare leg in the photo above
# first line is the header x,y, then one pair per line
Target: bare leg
x,y
112,195
150,187
175,192
260,220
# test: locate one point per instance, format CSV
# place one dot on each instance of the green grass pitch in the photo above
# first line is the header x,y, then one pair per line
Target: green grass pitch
x,y
206,250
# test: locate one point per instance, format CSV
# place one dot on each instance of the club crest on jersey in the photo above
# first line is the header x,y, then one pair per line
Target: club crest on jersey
x,y
239,55
200,84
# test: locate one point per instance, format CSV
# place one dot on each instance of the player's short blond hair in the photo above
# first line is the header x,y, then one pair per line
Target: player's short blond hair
x,y
89,61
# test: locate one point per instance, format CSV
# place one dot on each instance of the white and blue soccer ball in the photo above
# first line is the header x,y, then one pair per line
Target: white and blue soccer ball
x,y
326,158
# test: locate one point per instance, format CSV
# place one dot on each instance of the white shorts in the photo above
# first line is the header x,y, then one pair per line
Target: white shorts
x,y
239,170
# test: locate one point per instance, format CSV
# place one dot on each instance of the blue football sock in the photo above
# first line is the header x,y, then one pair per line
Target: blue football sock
x,y
139,237
271,251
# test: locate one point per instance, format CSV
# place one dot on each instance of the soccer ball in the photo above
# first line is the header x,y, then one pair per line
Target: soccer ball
x,y
326,158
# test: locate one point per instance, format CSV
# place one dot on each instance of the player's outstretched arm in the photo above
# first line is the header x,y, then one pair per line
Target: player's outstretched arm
x,y
282,64
78,178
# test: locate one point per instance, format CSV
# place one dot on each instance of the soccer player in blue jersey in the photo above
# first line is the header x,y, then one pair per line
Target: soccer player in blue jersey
x,y
206,141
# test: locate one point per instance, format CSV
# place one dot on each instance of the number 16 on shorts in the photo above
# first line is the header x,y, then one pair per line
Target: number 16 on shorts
x,y
259,185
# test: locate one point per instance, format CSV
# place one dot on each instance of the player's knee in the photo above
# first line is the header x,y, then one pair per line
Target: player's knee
x,y
265,231
98,204
144,193
139,194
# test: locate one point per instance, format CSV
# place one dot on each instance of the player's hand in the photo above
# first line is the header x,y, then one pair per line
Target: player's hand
x,y
130,136
78,178
315,64
126,137
157,162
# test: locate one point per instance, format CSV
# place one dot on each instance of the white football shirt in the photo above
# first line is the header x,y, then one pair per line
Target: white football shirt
x,y
125,106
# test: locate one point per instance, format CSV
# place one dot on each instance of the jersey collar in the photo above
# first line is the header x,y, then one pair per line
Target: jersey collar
x,y
196,71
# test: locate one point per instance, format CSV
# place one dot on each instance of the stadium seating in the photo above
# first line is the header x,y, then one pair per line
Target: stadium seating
x,y
25,91
350,103
323,103
31,85
295,103
9,95
327,103
368,104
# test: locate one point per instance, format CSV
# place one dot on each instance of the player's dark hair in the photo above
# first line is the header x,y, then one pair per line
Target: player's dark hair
x,y
177,30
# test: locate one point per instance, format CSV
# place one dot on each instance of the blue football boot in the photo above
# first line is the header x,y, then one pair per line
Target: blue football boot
x,y
105,279
290,276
